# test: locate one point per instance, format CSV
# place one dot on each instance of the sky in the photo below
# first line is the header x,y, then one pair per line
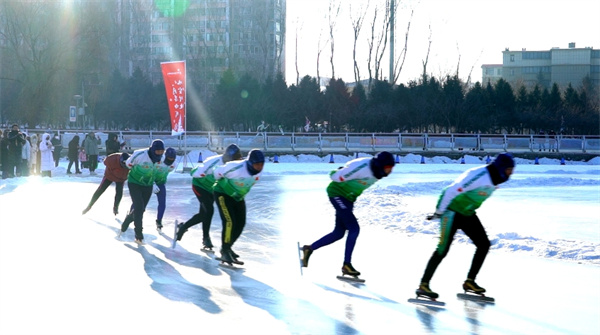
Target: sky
x,y
66,273
469,32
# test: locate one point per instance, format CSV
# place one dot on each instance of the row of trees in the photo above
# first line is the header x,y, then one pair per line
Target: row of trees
x,y
427,105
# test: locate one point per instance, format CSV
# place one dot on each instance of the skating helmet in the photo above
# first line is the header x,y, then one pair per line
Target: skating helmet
x,y
232,153
255,161
380,162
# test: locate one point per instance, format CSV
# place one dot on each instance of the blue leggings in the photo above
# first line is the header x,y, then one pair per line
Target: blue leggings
x,y
344,220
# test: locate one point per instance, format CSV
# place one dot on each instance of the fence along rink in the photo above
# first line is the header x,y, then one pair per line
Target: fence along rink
x,y
350,142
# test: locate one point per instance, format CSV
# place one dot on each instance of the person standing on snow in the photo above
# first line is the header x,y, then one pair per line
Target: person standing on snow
x,y
90,144
73,154
46,158
143,165
456,209
203,181
116,172
348,183
162,171
233,181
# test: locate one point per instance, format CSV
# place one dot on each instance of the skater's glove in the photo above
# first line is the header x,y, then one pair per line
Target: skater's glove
x,y
155,189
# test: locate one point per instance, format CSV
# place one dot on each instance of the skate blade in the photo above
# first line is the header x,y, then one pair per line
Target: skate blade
x,y
426,302
349,278
475,297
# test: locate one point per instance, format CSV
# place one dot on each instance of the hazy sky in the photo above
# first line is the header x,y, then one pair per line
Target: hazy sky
x,y
473,32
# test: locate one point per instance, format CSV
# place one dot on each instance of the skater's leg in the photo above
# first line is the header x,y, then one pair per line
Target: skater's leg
x,y
118,194
162,202
447,231
223,204
341,209
475,231
99,191
239,215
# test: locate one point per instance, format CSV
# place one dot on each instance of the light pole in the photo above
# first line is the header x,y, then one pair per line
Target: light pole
x,y
77,97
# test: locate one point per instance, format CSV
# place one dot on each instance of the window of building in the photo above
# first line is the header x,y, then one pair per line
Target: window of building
x,y
512,58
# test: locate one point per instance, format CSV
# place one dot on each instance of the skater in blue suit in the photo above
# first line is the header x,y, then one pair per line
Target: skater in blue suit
x,y
347,184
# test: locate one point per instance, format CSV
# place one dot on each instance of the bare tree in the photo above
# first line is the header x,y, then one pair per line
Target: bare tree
x,y
356,27
332,17
35,43
399,62
426,61
296,59
382,41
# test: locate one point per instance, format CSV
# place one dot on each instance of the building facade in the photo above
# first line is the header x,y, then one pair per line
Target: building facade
x,y
247,36
491,73
546,67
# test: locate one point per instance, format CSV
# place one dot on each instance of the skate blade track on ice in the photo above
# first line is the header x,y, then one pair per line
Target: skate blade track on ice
x,y
174,242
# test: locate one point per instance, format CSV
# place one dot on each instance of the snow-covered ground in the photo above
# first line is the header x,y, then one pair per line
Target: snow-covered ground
x,y
64,273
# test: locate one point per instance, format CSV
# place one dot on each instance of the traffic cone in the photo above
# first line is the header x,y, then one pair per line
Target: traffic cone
x,y
275,159
331,159
462,160
397,159
422,160
488,160
562,161
200,157
537,162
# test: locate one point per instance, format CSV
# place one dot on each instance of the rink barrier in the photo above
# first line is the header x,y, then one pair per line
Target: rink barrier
x,y
346,143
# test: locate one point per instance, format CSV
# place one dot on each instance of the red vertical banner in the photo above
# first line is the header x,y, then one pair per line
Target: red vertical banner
x,y
174,78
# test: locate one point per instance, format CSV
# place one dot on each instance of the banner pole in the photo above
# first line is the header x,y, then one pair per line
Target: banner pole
x,y
185,121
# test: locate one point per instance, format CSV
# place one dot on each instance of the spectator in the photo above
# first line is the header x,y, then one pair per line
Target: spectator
x,y
542,141
112,144
552,139
57,143
25,156
34,153
90,144
16,140
47,160
73,154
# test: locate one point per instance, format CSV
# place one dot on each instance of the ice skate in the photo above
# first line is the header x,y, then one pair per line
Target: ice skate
x,y
470,286
207,243
425,296
140,242
349,270
87,209
115,210
306,252
349,273
159,226
474,292
425,291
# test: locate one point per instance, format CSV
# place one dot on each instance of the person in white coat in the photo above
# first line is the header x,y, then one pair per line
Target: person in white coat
x,y
47,160
25,154
33,161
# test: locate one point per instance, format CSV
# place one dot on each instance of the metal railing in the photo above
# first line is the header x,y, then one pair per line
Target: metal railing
x,y
353,142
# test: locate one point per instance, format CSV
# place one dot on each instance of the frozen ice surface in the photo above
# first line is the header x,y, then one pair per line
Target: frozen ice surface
x,y
64,273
